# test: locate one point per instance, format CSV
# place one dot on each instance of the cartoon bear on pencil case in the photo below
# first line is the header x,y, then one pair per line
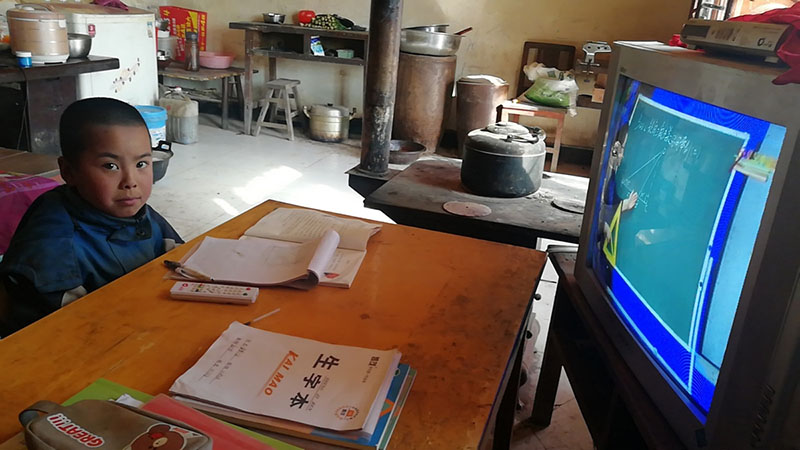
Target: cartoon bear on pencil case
x,y
159,436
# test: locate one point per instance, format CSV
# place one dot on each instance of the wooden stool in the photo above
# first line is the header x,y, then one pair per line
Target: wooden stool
x,y
512,109
278,96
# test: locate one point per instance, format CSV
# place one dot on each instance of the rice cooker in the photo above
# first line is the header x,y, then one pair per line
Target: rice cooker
x,y
503,160
35,29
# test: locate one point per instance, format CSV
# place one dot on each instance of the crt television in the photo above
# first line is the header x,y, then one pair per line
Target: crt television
x,y
690,246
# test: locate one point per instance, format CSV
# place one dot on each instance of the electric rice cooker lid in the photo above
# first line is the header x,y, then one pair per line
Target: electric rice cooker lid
x,y
329,110
507,139
30,12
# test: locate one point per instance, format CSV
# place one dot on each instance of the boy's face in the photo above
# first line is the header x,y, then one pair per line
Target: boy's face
x,y
114,173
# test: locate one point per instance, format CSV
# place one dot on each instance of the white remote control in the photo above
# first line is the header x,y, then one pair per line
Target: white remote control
x,y
217,293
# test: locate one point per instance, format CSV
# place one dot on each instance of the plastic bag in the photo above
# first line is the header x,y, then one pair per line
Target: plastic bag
x,y
552,87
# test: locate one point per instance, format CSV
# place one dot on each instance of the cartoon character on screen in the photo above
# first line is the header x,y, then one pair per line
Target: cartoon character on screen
x,y
612,205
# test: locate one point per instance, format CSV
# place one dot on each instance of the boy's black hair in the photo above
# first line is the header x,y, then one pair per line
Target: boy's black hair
x,y
79,116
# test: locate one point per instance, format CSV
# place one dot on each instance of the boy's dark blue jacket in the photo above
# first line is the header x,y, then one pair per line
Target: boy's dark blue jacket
x,y
63,243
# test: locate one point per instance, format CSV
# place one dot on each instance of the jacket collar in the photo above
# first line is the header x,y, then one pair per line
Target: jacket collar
x,y
133,228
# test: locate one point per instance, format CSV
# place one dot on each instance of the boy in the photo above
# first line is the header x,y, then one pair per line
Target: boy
x,y
96,228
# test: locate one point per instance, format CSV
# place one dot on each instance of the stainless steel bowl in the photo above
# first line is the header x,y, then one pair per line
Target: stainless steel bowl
x,y
440,28
79,45
274,18
404,152
429,43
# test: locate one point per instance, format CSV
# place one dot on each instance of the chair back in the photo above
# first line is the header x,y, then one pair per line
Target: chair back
x,y
560,56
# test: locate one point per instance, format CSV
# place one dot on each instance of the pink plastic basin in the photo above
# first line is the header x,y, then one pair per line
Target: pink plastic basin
x,y
213,60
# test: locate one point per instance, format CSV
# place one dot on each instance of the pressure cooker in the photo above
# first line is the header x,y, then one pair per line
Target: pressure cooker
x,y
503,160
329,123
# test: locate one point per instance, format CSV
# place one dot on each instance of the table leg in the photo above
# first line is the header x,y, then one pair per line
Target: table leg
x,y
46,100
504,424
237,81
225,98
550,373
273,69
250,39
299,106
288,112
557,144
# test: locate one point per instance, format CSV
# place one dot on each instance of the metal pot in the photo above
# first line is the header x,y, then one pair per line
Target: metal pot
x,y
79,45
429,43
274,17
328,123
503,160
441,28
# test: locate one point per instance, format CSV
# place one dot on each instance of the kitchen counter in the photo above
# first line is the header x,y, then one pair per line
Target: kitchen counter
x,y
48,90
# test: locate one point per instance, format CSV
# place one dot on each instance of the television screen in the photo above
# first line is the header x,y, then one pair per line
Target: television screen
x,y
681,195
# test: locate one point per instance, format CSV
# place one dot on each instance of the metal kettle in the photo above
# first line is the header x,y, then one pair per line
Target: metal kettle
x,y
503,160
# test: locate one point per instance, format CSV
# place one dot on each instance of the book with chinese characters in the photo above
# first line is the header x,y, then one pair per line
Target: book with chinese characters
x,y
390,413
294,247
336,387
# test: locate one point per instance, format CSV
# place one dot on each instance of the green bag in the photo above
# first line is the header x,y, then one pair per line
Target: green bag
x,y
91,424
551,92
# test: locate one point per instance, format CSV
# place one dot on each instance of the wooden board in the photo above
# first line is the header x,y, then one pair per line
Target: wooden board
x,y
416,195
455,307
43,165
10,73
203,74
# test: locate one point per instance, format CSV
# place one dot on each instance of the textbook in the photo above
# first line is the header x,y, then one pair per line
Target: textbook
x,y
293,247
103,389
379,439
323,385
224,437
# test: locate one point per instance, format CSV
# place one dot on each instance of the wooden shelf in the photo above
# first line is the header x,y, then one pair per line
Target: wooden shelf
x,y
305,57
296,29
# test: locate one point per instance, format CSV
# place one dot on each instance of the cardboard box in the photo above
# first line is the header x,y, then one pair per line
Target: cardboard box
x,y
598,94
182,20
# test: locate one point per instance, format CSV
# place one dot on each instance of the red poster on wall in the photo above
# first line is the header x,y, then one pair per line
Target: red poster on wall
x,y
182,20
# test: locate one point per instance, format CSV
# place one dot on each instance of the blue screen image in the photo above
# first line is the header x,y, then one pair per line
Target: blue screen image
x,y
682,192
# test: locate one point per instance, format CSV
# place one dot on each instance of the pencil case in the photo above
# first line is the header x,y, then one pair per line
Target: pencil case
x,y
105,424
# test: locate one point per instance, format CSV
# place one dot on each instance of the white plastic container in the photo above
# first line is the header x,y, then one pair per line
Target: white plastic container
x,y
182,116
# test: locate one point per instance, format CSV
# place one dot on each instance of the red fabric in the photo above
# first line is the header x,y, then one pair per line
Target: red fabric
x,y
111,3
676,41
17,192
789,52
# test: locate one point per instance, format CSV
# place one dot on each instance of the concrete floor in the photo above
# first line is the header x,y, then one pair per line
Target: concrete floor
x,y
226,173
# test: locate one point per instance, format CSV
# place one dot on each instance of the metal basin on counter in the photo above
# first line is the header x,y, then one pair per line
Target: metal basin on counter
x,y
79,45
441,28
430,43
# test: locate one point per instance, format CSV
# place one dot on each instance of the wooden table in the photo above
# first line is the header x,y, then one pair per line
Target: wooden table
x,y
292,42
511,110
415,197
455,307
49,89
28,163
231,75
618,412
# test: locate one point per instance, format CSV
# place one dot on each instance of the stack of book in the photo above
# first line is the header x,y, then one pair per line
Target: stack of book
x,y
294,247
348,396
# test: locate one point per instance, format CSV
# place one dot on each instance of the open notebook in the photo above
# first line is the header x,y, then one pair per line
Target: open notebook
x,y
294,247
